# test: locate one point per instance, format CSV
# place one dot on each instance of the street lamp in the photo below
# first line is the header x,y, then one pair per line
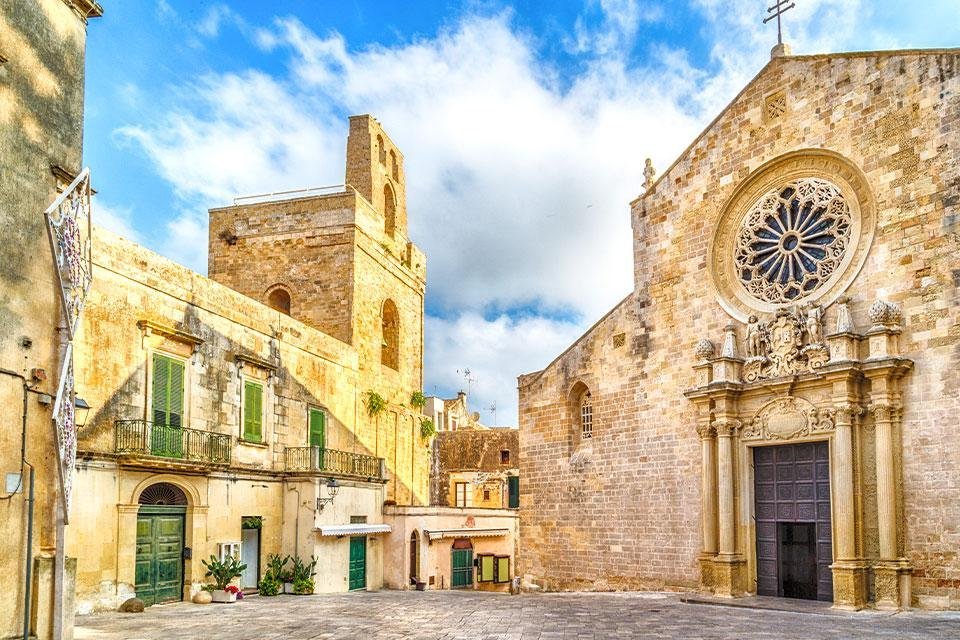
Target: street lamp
x,y
332,489
81,409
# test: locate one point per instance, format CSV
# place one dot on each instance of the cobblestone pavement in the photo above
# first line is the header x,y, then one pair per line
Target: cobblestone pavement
x,y
446,615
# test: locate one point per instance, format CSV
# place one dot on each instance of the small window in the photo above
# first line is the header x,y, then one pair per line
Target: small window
x,y
252,411
358,519
389,211
462,496
279,299
504,456
381,150
389,351
586,416
486,495
394,167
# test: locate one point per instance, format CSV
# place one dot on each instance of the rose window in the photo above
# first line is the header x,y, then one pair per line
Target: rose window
x,y
792,241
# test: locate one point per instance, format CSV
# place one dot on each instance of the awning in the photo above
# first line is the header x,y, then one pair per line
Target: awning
x,y
440,534
352,529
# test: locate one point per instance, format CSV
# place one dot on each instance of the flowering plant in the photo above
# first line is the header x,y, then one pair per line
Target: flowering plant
x,y
232,588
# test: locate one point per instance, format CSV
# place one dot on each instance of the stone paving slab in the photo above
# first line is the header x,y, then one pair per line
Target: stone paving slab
x,y
463,615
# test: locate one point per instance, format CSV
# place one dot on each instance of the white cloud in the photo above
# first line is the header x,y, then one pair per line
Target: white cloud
x,y
119,220
209,25
495,351
518,182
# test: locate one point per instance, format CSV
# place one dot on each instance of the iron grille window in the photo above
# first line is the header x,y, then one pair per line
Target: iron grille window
x,y
586,418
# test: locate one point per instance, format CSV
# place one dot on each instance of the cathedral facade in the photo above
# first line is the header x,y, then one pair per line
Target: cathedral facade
x,y
772,409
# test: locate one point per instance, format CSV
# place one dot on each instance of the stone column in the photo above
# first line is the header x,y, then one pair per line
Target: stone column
x,y
892,573
729,566
849,571
708,501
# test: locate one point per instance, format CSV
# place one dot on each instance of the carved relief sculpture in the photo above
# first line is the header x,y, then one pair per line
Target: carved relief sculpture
x,y
787,418
778,348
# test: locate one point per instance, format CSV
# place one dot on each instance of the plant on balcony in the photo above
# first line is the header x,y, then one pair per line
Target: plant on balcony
x,y
303,573
223,572
418,400
251,522
427,428
374,403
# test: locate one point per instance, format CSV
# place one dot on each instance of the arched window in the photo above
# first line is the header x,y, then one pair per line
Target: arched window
x,y
389,352
279,299
586,416
394,167
163,493
381,150
389,211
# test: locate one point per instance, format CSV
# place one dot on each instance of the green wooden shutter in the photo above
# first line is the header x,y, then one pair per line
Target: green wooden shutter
x,y
318,428
513,492
168,391
252,411
161,378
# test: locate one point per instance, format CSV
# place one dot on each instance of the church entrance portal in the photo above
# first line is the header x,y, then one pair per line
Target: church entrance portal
x,y
792,494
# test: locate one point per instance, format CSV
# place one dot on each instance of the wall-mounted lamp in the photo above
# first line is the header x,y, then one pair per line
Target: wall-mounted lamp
x,y
332,489
81,409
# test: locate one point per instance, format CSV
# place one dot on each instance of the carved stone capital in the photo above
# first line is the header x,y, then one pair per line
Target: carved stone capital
x,y
847,412
726,427
706,431
883,412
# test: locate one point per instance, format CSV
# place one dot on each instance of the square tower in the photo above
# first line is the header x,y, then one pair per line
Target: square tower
x,y
338,259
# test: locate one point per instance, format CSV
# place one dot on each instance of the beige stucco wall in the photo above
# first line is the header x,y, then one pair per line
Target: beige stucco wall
x,y
435,557
894,116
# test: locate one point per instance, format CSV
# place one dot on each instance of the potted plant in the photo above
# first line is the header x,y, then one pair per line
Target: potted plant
x,y
272,581
222,572
303,573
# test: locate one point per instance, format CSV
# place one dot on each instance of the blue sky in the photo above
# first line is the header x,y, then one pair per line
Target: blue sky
x,y
524,128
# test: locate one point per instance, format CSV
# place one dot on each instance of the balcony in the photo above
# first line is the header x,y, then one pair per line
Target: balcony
x,y
342,463
175,444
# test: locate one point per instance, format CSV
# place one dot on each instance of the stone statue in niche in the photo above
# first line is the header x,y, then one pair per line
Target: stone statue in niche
x,y
789,344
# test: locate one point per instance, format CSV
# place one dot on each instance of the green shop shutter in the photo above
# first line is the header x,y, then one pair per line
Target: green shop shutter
x,y
168,375
253,411
503,569
486,569
318,428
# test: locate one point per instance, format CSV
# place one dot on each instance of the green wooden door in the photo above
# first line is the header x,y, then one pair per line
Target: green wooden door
x,y
159,563
358,563
462,568
166,435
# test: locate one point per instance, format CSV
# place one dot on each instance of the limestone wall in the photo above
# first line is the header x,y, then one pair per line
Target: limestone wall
x,y
469,451
895,117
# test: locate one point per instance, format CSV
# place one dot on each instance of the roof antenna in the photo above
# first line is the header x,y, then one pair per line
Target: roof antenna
x,y
778,9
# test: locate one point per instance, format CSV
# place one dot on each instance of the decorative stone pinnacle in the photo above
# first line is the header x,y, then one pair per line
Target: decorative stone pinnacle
x,y
704,349
844,319
649,173
885,315
781,50
729,349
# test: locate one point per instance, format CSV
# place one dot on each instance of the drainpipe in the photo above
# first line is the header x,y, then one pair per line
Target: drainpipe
x,y
28,564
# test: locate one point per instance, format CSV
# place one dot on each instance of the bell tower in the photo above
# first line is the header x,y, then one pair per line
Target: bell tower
x,y
375,170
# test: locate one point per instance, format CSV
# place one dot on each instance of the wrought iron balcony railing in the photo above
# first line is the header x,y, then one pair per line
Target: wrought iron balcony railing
x,y
323,460
151,439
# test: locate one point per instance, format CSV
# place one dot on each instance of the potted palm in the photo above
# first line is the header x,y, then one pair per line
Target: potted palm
x,y
302,574
223,572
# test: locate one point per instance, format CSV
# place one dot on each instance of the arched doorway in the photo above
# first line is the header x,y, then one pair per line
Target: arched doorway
x,y
414,558
160,535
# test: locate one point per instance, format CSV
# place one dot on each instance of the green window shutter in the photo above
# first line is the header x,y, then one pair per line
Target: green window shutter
x,y
318,428
252,411
486,569
175,394
513,492
503,569
168,391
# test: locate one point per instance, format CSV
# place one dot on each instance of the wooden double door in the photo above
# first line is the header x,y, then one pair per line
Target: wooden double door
x,y
794,546
159,559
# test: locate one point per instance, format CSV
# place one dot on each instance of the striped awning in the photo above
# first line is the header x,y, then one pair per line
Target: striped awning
x,y
440,534
352,529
